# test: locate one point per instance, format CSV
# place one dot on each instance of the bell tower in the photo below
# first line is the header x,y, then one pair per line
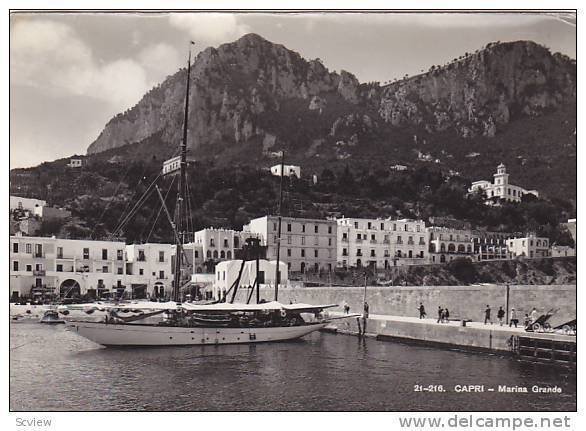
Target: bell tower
x,y
501,178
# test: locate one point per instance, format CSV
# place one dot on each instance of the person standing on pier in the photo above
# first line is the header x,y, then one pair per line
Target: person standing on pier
x,y
487,315
533,315
346,307
365,317
500,315
514,319
446,315
440,314
422,313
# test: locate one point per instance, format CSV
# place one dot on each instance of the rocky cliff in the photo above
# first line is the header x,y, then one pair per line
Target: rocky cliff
x,y
252,96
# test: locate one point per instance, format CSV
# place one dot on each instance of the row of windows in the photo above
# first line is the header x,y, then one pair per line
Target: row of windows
x,y
449,237
538,243
303,242
226,243
303,253
383,226
386,253
373,239
221,255
303,228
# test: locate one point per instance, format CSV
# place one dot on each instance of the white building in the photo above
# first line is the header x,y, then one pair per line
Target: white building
x,y
447,244
171,165
75,163
306,244
530,246
562,251
67,267
227,273
149,270
501,188
25,204
380,243
220,244
289,170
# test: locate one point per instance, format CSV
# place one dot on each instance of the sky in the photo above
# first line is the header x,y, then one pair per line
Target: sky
x,y
71,73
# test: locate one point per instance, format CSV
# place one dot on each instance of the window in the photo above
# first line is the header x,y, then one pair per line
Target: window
x,y
86,253
29,248
39,267
399,239
372,253
104,254
274,226
15,247
302,228
141,271
236,242
15,265
225,242
302,252
59,268
161,274
212,243
38,250
369,225
329,229
373,237
344,252
288,252
316,230
355,225
288,227
315,253
302,240
418,228
104,269
196,254
382,226
120,271
141,256
59,252
222,255
315,240
394,226
358,252
29,268
329,241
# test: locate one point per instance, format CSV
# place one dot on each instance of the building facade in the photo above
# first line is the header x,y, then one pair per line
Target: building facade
x,y
227,273
380,243
25,204
306,244
529,246
149,270
288,170
562,251
446,244
220,244
500,187
490,245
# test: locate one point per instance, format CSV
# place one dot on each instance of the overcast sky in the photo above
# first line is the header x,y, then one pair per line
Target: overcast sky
x,y
71,73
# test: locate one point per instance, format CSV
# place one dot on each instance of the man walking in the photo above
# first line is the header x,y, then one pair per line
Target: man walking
x,y
514,320
422,313
500,315
487,315
440,314
365,317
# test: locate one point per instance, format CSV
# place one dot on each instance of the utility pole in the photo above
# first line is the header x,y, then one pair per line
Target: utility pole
x,y
507,303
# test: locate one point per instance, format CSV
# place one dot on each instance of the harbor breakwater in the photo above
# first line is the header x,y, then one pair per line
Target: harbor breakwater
x,y
464,302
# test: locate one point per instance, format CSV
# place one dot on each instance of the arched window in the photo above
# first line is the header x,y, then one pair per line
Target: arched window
x,y
228,254
215,254
442,247
358,263
222,255
302,266
461,248
198,270
442,259
469,249
432,247
451,248
209,254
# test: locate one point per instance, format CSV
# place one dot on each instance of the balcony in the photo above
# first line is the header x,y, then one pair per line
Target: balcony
x,y
373,241
386,241
39,272
39,254
344,239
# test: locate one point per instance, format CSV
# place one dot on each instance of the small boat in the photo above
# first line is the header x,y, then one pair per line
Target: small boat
x,y
51,317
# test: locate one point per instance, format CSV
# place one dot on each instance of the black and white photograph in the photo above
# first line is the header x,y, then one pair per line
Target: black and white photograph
x,y
293,211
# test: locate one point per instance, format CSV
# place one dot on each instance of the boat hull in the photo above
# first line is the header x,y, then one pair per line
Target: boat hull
x,y
135,335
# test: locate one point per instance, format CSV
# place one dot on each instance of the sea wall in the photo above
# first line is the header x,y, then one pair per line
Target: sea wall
x,y
467,302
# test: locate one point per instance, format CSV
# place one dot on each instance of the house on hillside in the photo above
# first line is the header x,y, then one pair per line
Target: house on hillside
x,y
501,188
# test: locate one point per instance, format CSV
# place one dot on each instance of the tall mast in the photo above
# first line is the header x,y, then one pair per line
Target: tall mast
x,y
277,275
181,195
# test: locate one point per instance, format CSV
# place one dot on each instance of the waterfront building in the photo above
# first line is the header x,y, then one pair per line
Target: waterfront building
x,y
380,243
529,246
490,245
227,272
306,244
288,170
149,270
447,244
220,244
42,266
501,188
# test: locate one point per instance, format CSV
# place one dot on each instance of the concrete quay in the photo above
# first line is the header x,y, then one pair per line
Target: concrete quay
x,y
473,336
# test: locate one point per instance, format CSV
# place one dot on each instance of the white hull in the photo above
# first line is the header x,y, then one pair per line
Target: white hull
x,y
152,335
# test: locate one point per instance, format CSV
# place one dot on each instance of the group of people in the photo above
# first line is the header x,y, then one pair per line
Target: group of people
x,y
514,320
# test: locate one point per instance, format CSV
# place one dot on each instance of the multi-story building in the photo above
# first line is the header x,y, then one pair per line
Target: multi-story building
x,y
380,243
306,244
529,246
149,269
220,244
25,204
446,244
562,251
490,245
66,267
227,273
501,188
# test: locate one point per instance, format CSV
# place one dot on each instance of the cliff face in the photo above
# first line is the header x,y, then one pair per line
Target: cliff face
x,y
477,93
254,91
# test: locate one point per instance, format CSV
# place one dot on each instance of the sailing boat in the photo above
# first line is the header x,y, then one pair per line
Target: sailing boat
x,y
201,324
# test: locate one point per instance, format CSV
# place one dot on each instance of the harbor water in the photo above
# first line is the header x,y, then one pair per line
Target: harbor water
x,y
54,369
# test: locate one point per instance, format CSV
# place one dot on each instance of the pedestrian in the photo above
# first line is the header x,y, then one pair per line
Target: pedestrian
x,y
365,317
487,315
514,319
500,315
527,321
366,308
422,313
440,314
534,315
346,307
447,315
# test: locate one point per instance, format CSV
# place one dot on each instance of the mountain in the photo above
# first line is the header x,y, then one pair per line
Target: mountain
x,y
251,98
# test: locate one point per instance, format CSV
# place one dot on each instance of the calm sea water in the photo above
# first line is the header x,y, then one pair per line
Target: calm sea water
x,y
54,369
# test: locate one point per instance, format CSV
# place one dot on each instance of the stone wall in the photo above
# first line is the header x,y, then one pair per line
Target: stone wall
x,y
463,301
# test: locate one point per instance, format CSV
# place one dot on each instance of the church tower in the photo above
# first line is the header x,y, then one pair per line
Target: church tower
x,y
501,178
